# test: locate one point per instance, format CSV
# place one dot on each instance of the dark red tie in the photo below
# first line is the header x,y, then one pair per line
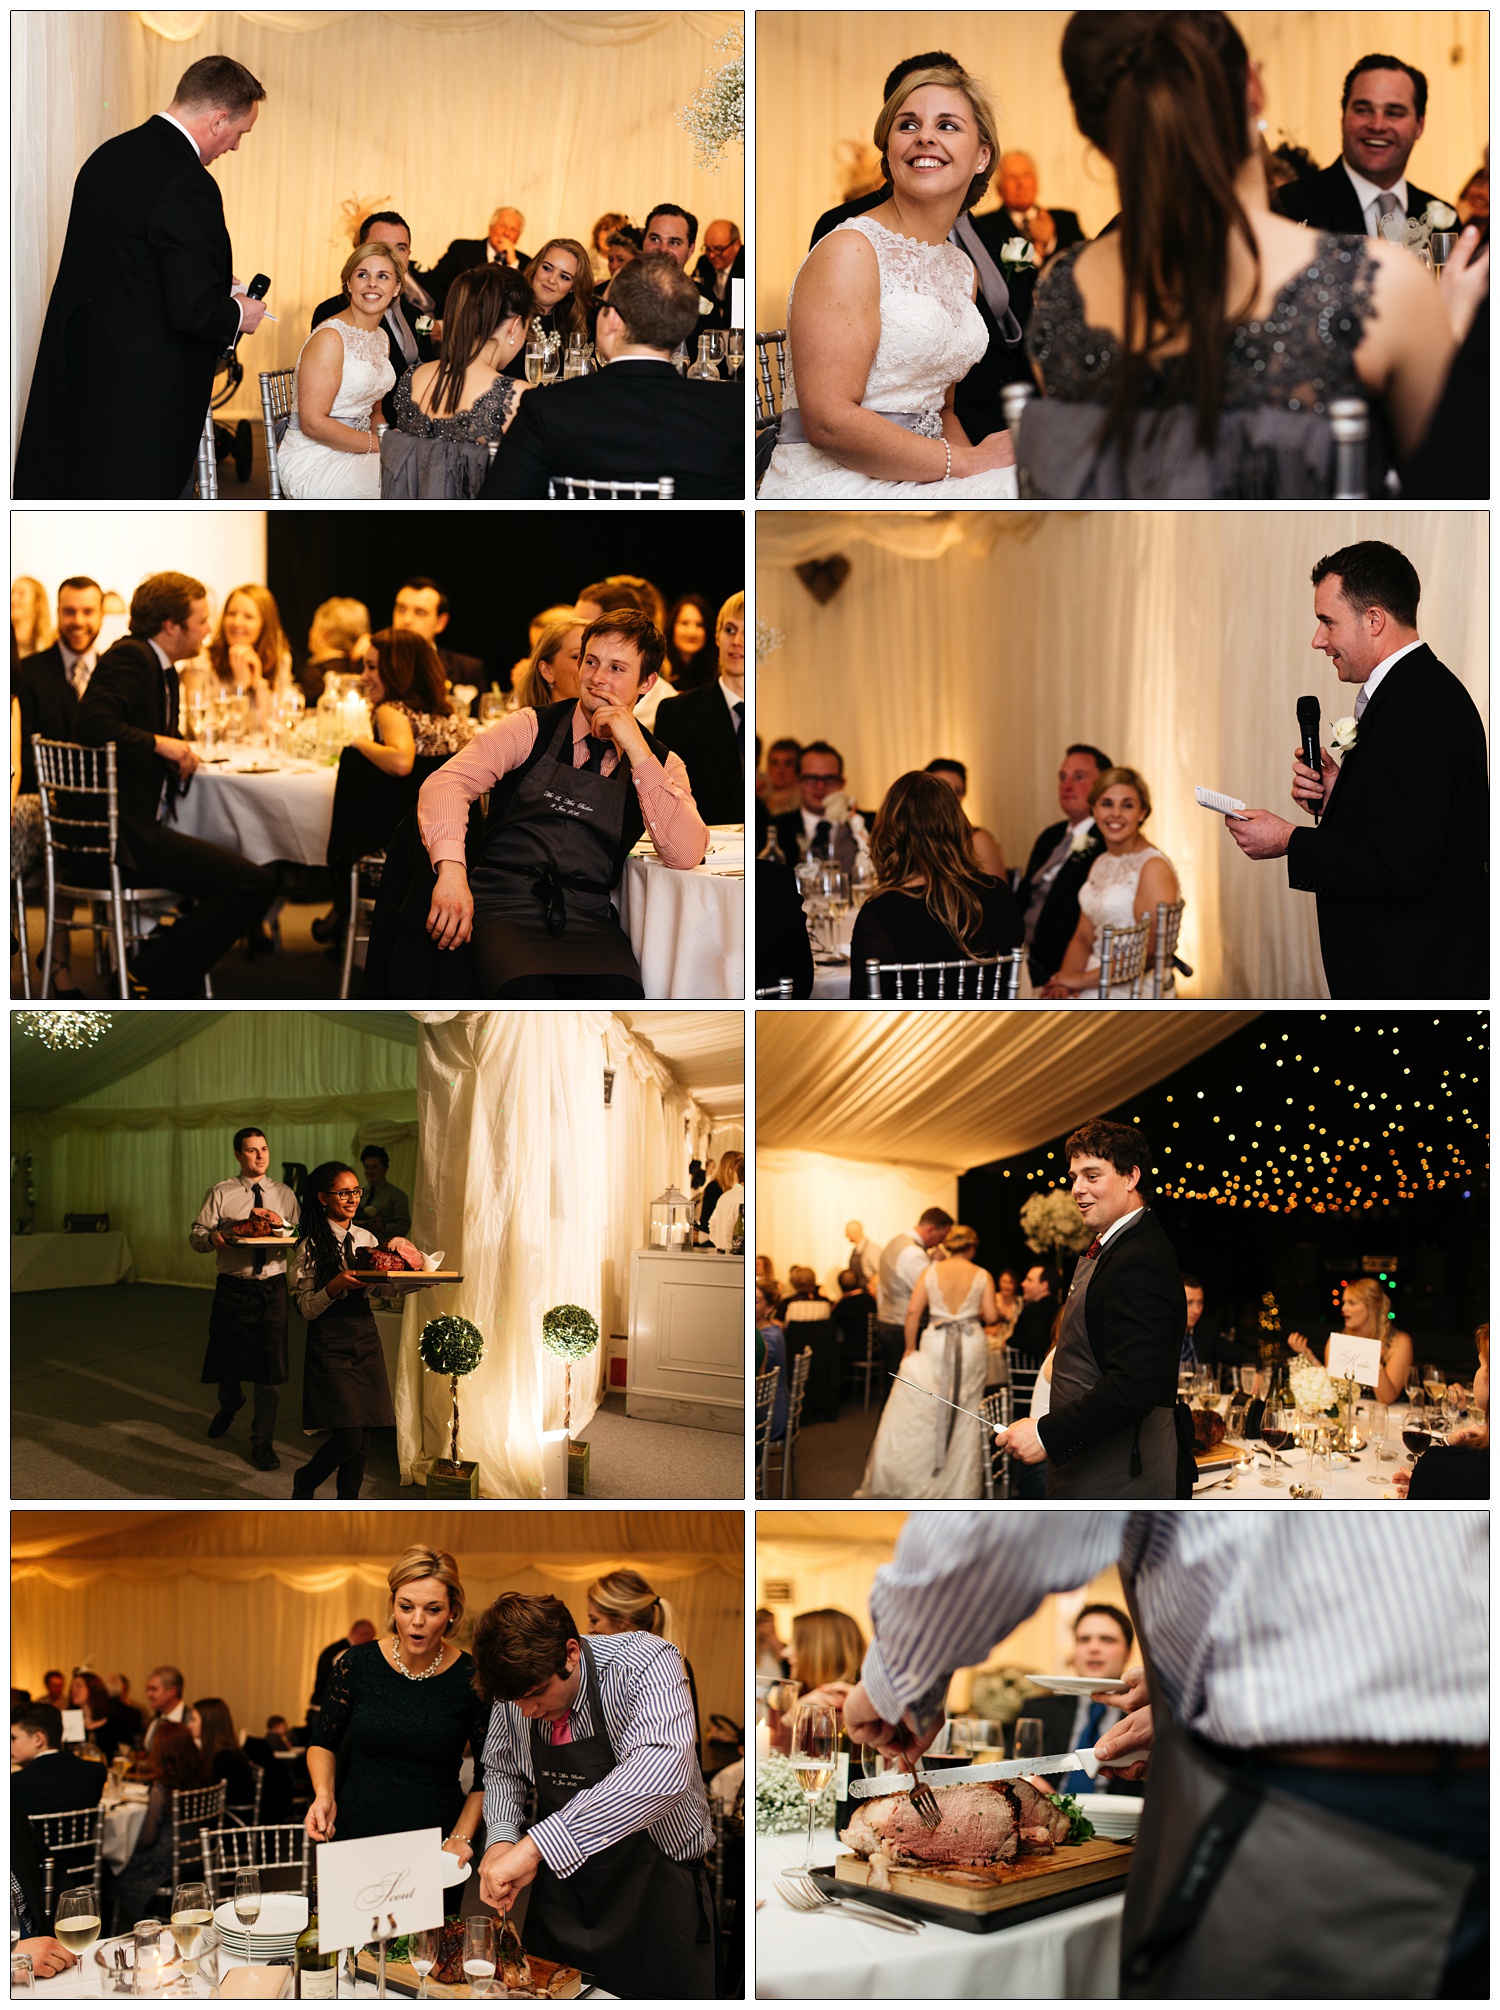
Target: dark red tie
x,y
1093,1250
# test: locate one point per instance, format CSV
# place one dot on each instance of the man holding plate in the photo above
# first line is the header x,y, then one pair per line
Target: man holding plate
x,y
603,1727
248,1322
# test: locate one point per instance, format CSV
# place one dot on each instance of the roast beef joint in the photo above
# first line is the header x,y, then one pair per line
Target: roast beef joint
x,y
992,1823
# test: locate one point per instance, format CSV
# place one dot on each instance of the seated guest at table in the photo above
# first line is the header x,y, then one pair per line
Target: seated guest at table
x,y
344,1386
331,449
423,606
707,726
1126,884
723,262
636,420
782,946
408,344
407,1710
497,247
770,1352
780,792
851,1314
465,400
212,1728
692,656
174,1762
624,245
56,1685
1459,1470
87,1693
1384,111
1008,1304
539,912
805,1291
552,670
1102,1639
824,1655
932,903
621,590
126,1715
247,653
1059,863
986,847
730,1206
1367,1316
30,616
278,1731
338,627
605,228
30,1921
414,720
820,822
165,1688
385,1210
50,1781
1473,203
562,281
132,700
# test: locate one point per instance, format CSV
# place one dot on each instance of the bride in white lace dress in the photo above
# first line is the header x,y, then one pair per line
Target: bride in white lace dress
x,y
882,322
1126,883
331,450
922,1449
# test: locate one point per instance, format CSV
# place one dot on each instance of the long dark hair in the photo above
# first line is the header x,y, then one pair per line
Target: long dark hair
x,y
1162,95
216,1732
688,672
411,671
573,314
478,303
921,833
317,1229
174,1759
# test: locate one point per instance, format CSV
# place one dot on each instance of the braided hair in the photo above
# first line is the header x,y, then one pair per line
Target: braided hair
x,y
317,1229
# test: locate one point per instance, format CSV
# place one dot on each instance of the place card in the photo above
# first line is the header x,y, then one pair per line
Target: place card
x,y
1348,1355
75,1730
736,303
377,1887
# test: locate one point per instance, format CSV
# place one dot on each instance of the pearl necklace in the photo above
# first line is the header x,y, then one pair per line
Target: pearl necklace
x,y
418,1674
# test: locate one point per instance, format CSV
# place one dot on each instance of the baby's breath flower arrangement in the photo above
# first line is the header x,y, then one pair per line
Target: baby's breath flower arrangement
x,y
715,114
781,1805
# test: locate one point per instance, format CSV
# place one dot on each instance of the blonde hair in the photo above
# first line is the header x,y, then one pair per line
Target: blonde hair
x,y
801,1278
960,1241
979,104
532,688
733,606
625,1594
828,1647
43,634
1374,1300
417,1562
341,622
1132,778
731,1170
361,252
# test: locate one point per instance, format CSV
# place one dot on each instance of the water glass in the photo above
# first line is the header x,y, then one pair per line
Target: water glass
x,y
1030,1737
423,1954
479,1954
22,1974
552,361
491,707
1440,245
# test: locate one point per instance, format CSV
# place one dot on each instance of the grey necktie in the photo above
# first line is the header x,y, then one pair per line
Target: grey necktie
x,y
406,342
1388,205
991,279
1361,701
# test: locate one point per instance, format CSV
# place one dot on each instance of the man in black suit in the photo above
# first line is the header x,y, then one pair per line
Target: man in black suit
x,y
1059,864
672,232
1385,110
497,247
407,345
809,827
1110,1432
1032,1336
422,606
1020,214
707,726
637,420
132,700
723,262
50,1781
49,686
1398,859
1102,1639
144,301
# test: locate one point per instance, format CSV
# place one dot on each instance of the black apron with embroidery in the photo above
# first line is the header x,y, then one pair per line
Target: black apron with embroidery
x,y
639,1923
247,1331
344,1385
549,865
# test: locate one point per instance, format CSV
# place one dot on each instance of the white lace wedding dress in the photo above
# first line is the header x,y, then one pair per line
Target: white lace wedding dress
x,y
922,1450
313,472
1107,899
931,335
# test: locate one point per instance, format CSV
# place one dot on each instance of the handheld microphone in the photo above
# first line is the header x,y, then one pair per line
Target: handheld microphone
x,y
1308,716
258,288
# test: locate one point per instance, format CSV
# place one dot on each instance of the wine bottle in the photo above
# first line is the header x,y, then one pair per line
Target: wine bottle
x,y
843,1809
317,1974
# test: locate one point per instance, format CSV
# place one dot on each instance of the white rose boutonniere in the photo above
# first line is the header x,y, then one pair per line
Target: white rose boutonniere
x,y
1416,231
1345,733
424,324
1018,254
1082,839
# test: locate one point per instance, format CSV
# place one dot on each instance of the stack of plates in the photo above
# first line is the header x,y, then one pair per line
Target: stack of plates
x,y
1116,1817
283,1915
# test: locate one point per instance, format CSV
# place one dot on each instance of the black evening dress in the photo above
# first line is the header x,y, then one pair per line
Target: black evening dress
x,y
406,1742
897,927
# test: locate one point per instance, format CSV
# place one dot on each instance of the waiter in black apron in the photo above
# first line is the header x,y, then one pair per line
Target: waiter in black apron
x,y
1110,1429
614,1859
247,1326
572,790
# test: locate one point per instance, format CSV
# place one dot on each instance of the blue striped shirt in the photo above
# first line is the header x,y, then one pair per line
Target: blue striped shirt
x,y
656,1783
1265,1629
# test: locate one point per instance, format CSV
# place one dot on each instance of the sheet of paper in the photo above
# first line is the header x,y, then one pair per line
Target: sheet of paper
x,y
379,1886
736,303
75,1731
1349,1355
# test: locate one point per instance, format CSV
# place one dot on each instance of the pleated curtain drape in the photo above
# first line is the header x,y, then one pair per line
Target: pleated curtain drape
x,y
1176,641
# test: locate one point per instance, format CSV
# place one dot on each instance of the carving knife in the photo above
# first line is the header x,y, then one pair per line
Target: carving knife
x,y
1006,1769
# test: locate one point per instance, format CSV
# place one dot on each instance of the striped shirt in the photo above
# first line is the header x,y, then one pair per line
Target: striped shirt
x,y
1275,1628
234,1200
656,1783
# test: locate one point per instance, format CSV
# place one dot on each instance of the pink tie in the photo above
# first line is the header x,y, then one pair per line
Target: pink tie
x,y
562,1731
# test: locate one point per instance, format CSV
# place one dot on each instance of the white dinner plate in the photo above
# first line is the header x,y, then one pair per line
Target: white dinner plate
x,y
1079,1685
282,1914
453,1872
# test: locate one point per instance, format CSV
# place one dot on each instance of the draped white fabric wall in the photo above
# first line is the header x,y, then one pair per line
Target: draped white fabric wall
x,y
538,1195
819,76
145,1149
441,116
249,1625
804,1199
1178,641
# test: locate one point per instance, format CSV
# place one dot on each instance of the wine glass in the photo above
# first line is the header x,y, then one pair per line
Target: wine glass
x,y
862,879
423,1954
77,1922
1434,1381
552,360
1277,1428
191,1912
734,351
479,1953
1030,1736
491,707
1248,1379
1416,1432
815,1738
247,1897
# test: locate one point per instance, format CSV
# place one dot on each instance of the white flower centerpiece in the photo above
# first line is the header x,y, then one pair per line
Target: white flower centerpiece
x,y
1051,1221
1311,1388
781,1805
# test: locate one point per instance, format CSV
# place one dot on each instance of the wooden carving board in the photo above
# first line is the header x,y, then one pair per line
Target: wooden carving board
x,y
1224,1453
1004,1884
549,1978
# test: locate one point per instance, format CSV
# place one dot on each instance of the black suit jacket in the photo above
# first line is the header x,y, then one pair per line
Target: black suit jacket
x,y
49,706
127,702
462,255
697,726
463,669
53,1786
793,840
634,421
1059,915
1032,1333
1326,201
1065,222
427,349
139,311
1398,862
706,278
1135,1336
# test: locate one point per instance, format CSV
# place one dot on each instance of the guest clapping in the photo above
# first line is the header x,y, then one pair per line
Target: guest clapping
x,y
1125,885
932,902
1367,1310
465,400
331,452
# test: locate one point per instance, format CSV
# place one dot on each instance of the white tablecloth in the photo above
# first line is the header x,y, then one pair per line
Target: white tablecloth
x,y
688,928
263,817
61,1262
122,1825
1349,1481
1074,1953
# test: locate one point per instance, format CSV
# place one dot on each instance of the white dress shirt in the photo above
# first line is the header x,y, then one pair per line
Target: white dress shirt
x,y
1368,195
1372,683
77,669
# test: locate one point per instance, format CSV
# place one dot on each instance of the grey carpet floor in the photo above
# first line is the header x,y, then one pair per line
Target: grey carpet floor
x,y
106,1405
830,1460
301,968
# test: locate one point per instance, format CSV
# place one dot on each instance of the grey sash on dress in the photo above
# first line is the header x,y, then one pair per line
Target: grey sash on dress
x,y
790,433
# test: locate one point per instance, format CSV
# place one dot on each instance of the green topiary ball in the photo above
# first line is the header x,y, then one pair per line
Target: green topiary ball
x,y
451,1346
569,1331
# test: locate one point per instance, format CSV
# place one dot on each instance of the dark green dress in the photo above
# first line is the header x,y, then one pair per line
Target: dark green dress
x,y
406,1743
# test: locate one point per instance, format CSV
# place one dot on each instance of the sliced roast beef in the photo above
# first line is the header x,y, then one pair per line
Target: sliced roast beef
x,y
978,1826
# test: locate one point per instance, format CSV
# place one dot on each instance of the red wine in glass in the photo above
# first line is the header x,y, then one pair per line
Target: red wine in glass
x,y
1277,1439
1416,1441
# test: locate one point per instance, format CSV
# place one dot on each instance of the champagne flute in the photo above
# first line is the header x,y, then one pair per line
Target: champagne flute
x,y
734,351
191,1912
247,1897
423,1954
552,360
1434,1381
479,1953
1277,1428
815,1738
536,360
77,1922
1030,1738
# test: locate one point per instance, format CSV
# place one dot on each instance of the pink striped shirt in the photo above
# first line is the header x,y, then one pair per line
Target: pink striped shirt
x,y
678,834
